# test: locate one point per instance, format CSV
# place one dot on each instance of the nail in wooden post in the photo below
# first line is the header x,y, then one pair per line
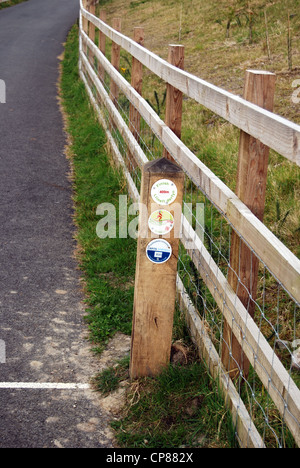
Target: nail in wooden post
x,y
136,83
156,268
115,61
173,117
251,189
102,43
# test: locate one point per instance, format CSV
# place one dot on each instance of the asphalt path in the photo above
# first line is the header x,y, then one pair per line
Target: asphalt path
x,y
42,334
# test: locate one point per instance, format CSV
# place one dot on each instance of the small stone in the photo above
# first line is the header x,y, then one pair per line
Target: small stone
x,y
296,359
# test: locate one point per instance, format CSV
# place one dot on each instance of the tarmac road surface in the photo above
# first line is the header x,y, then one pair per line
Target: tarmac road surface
x,y
45,363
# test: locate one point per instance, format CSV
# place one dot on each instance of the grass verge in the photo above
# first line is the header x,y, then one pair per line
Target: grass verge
x,y
221,56
107,264
183,406
11,3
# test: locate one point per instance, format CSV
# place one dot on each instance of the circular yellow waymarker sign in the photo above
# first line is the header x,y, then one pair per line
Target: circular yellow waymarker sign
x,y
161,222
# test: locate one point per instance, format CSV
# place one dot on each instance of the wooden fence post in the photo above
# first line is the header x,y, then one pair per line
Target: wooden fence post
x,y
136,83
156,267
115,61
250,188
85,26
173,117
92,31
102,44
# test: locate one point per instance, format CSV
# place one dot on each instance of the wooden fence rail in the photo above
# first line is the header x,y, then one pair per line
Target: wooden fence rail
x,y
280,260
271,130
274,131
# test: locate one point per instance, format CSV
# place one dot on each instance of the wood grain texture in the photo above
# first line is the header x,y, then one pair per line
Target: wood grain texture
x,y
250,189
200,336
115,61
137,84
155,284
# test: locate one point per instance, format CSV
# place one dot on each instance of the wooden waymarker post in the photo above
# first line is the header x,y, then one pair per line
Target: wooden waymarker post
x,y
251,189
156,268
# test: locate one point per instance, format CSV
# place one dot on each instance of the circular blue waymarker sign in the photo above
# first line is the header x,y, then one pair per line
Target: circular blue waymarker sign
x,y
159,251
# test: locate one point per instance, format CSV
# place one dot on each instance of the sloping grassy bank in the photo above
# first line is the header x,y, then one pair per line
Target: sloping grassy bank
x,y
221,56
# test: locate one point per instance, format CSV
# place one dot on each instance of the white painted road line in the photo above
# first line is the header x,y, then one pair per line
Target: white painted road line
x,y
44,385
